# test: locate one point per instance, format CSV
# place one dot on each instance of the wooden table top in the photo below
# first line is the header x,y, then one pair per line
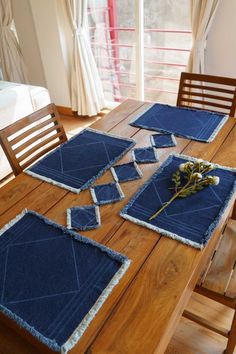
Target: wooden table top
x,y
143,310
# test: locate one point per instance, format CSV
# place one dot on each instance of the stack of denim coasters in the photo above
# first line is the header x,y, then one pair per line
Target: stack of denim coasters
x,y
106,193
53,281
83,217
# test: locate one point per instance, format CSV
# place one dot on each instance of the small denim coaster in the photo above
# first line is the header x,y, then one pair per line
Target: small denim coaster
x,y
144,155
106,193
126,172
163,140
84,218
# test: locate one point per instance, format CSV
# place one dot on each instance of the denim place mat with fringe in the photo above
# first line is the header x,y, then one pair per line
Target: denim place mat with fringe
x,y
184,122
76,164
53,281
190,220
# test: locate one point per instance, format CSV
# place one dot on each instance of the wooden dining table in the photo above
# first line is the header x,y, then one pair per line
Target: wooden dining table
x,y
143,310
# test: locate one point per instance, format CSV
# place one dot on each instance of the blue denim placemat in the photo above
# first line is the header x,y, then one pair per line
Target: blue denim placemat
x,y
184,122
85,217
163,140
126,172
106,193
190,220
52,280
76,164
145,155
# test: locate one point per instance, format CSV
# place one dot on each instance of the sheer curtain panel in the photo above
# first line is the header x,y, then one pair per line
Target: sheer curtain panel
x,y
11,59
87,96
202,15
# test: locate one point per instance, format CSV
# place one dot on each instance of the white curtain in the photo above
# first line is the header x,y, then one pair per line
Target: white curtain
x,y
11,59
86,87
202,15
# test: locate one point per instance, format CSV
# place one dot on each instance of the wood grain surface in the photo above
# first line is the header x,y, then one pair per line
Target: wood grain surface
x,y
142,312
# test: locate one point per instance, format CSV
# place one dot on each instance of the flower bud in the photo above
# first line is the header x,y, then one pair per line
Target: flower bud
x,y
197,176
198,160
216,180
182,167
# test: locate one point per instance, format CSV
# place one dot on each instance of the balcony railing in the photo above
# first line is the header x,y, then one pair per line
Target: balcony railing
x,y
109,48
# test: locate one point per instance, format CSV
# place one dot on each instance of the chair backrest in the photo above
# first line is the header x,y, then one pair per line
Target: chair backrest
x,y
212,93
31,137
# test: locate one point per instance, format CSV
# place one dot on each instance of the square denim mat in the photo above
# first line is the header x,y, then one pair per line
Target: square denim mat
x,y
84,218
126,172
53,281
106,193
76,164
145,155
190,220
163,140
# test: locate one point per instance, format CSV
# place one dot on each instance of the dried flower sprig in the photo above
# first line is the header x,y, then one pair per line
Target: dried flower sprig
x,y
195,174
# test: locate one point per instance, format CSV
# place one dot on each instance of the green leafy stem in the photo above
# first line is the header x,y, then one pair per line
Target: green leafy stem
x,y
195,174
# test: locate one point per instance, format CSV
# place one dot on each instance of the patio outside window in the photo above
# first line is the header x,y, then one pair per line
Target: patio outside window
x,y
140,47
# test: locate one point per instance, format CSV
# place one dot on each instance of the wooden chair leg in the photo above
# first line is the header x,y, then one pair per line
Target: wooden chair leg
x,y
234,211
232,337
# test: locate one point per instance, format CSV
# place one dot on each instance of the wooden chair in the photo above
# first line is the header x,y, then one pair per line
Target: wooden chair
x,y
31,137
212,93
218,282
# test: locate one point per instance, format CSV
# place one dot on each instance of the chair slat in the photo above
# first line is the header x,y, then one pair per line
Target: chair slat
x,y
220,271
18,163
209,88
32,130
206,95
31,118
38,146
205,103
45,151
221,80
36,138
188,97
231,289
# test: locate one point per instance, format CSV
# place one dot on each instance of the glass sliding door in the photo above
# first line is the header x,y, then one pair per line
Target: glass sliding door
x,y
140,47
167,43
112,34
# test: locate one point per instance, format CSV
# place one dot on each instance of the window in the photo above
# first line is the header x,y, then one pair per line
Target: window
x,y
140,47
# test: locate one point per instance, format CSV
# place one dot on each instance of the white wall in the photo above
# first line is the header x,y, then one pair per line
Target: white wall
x,y
46,26
28,41
221,44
